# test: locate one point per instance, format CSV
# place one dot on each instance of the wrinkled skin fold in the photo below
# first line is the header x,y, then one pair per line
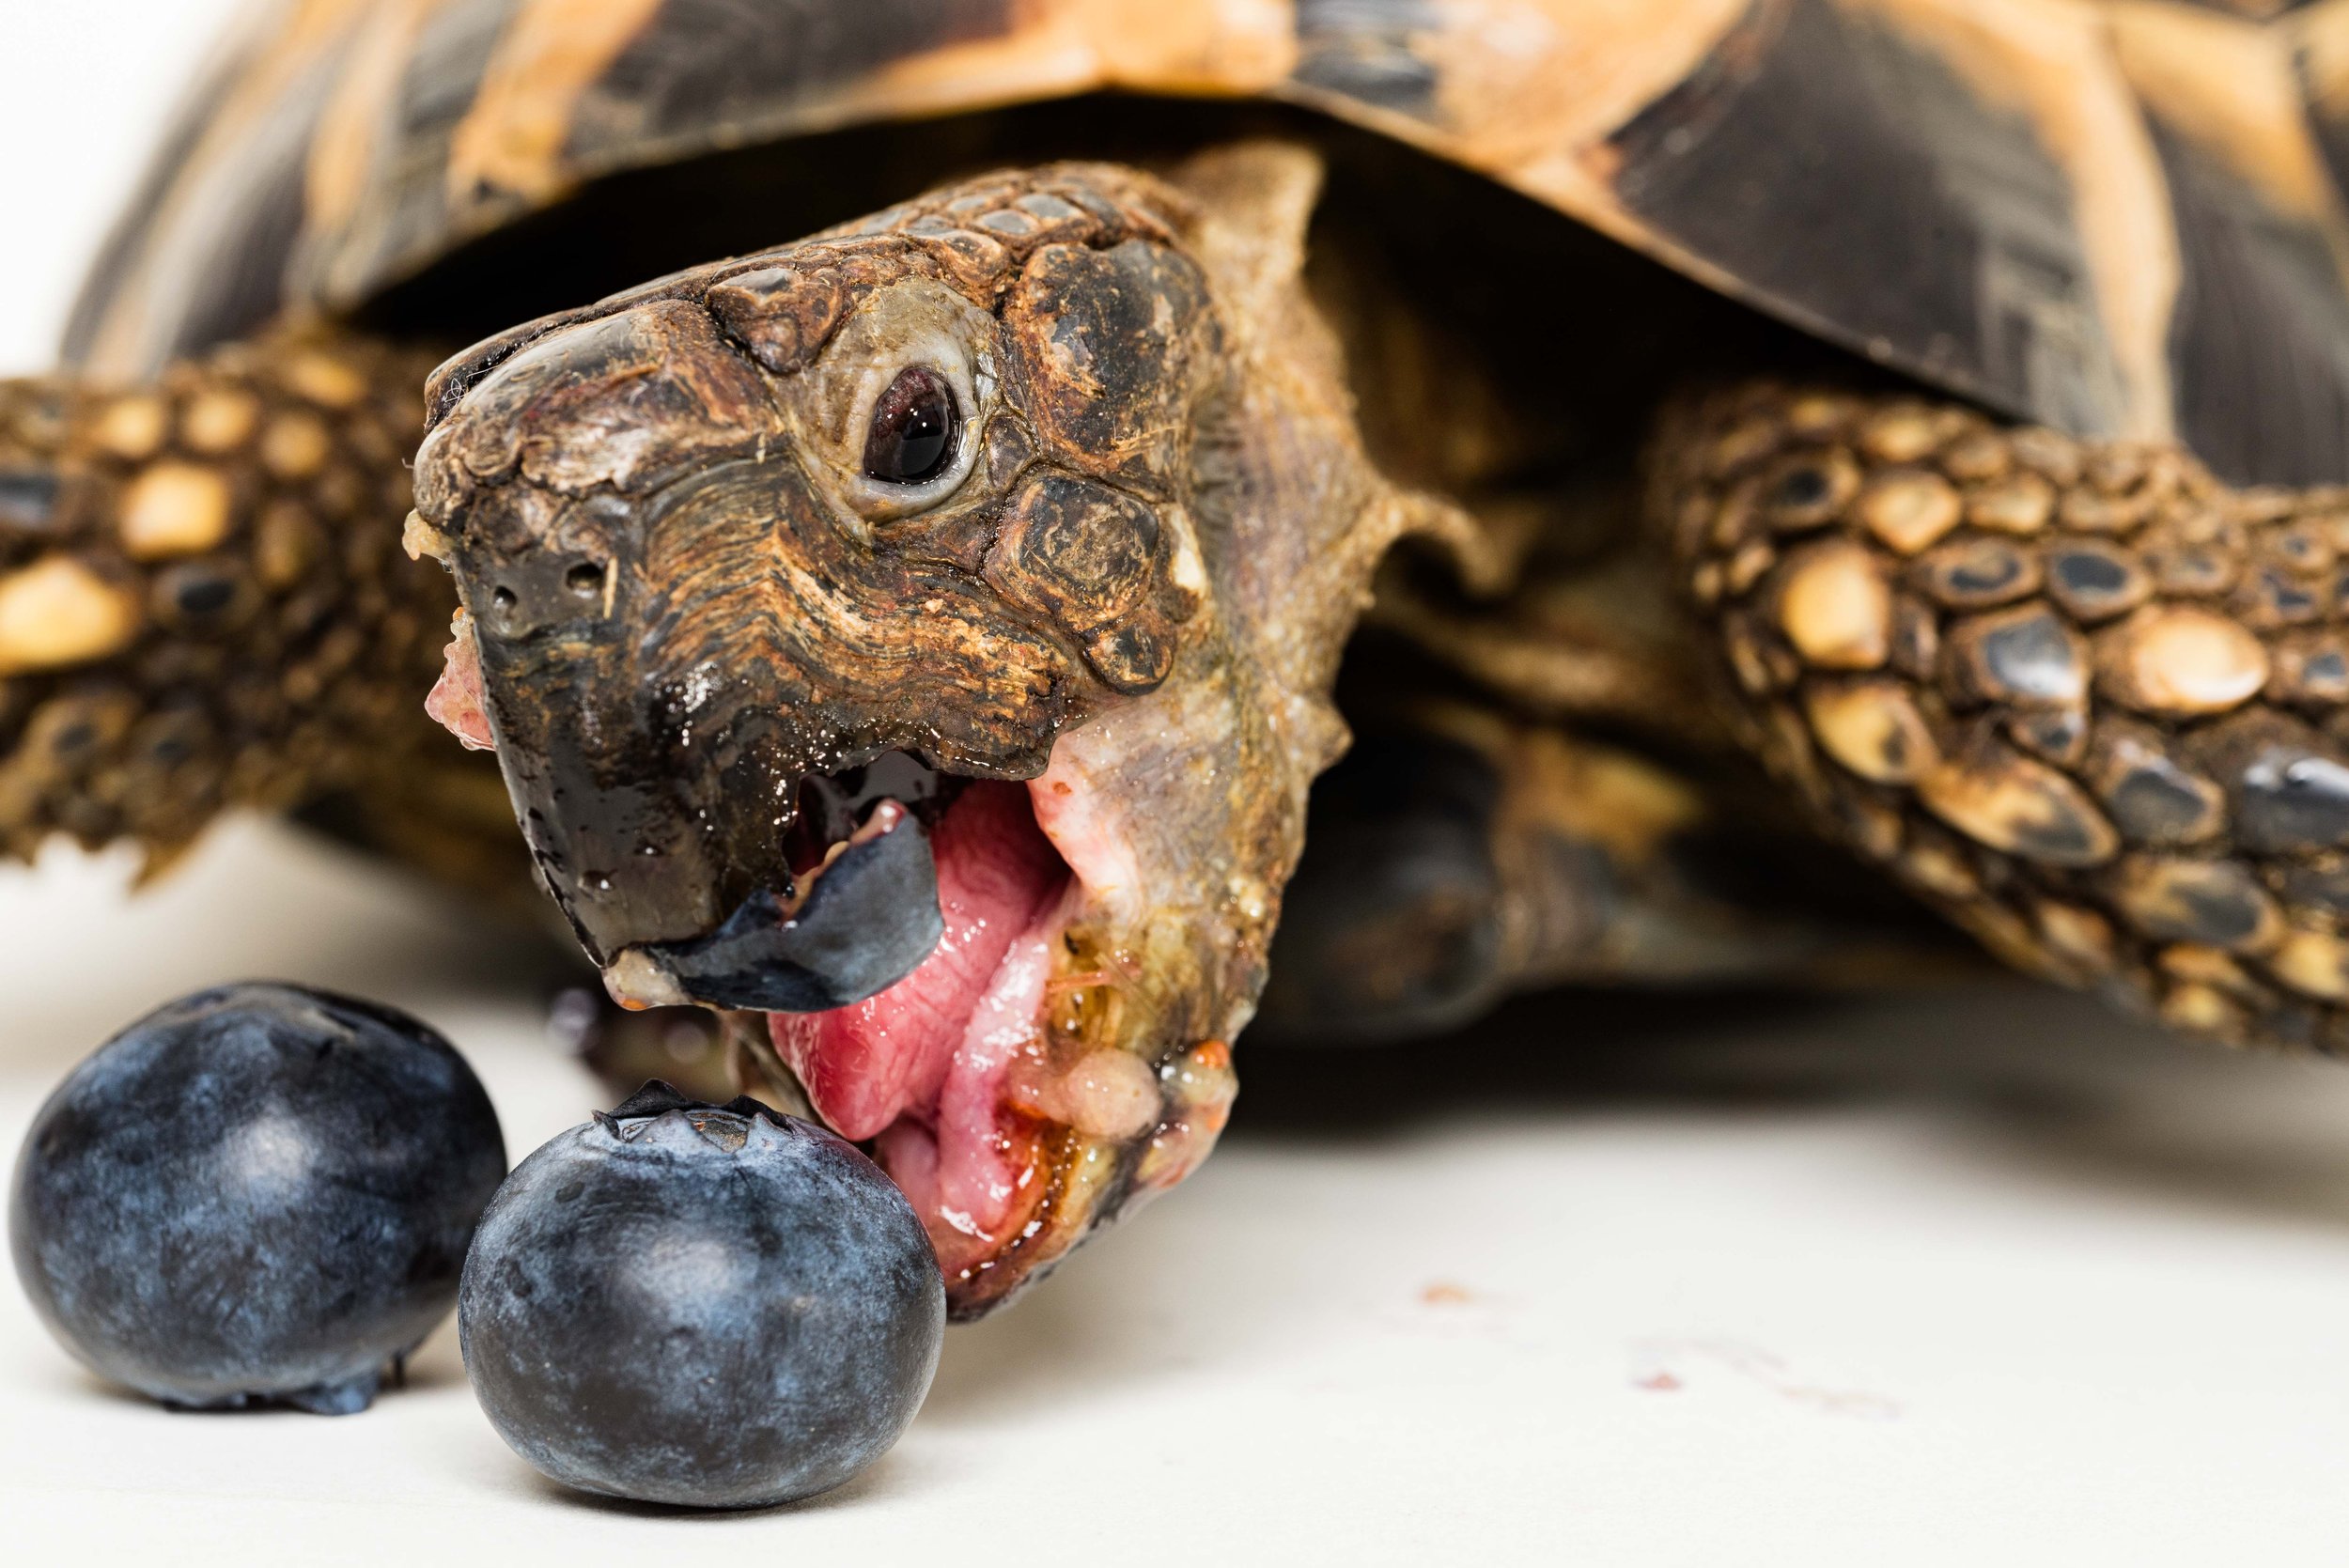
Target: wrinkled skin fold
x,y
1109,615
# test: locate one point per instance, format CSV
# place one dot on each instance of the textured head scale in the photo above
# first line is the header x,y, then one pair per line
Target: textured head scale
x,y
688,592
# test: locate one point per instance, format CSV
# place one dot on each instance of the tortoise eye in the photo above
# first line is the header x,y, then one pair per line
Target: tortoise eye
x,y
911,439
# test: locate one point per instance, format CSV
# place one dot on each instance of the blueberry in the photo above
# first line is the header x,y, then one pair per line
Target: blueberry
x,y
257,1194
720,1307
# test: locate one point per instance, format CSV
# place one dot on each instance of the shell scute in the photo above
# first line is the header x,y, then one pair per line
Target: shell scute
x,y
2119,220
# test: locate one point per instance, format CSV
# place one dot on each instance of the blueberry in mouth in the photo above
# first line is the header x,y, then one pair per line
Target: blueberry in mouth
x,y
259,1194
860,914
700,1305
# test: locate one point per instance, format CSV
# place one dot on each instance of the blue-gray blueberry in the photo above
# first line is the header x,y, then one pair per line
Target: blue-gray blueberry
x,y
257,1194
711,1306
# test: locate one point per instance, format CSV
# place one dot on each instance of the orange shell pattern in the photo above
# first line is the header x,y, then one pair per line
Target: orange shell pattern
x,y
2120,217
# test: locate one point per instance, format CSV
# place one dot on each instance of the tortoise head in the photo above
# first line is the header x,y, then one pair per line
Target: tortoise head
x,y
916,641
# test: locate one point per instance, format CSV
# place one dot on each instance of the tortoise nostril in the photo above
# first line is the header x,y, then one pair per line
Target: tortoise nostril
x,y
503,598
586,579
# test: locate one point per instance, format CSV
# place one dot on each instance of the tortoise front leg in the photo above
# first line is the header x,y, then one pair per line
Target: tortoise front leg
x,y
204,604
2083,697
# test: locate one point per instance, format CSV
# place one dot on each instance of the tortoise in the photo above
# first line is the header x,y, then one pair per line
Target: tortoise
x,y
1704,455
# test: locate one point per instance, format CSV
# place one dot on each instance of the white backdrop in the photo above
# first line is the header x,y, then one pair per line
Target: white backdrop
x,y
1956,1279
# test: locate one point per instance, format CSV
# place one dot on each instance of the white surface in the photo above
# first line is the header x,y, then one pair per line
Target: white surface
x,y
1963,1279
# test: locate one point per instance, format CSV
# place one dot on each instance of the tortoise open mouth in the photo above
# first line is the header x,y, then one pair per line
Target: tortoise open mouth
x,y
954,1075
928,1068
951,1071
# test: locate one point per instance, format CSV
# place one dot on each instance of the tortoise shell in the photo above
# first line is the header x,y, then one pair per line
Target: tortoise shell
x,y
2118,217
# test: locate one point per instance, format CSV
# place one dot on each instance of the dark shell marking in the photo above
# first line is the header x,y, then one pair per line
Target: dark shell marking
x,y
2113,219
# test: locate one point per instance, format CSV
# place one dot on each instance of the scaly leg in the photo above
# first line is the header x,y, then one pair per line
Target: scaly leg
x,y
2084,698
204,604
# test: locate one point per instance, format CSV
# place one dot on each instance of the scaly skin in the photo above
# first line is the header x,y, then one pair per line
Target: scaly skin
x,y
2083,698
202,601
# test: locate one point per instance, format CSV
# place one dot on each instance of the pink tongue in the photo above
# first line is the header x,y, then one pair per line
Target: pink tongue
x,y
454,703
868,1064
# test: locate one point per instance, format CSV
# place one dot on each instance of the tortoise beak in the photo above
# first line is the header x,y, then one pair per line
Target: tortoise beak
x,y
671,819
855,926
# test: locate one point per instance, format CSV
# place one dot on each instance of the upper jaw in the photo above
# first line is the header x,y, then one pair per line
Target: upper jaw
x,y
656,737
